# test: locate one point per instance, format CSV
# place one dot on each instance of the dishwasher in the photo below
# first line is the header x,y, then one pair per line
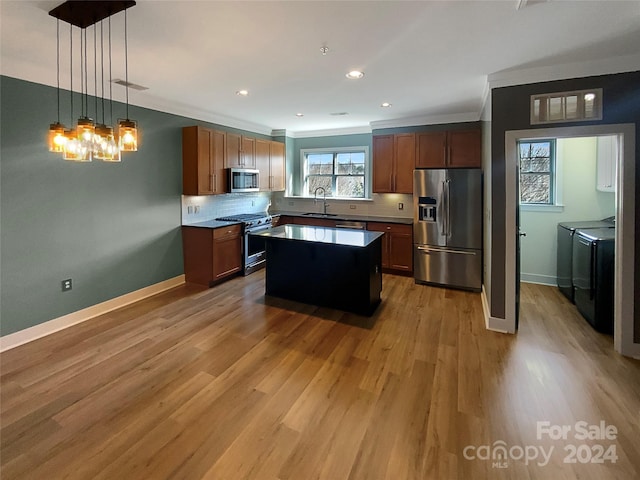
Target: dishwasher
x,y
355,225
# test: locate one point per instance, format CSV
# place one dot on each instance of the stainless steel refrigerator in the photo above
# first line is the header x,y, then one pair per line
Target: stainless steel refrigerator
x,y
447,227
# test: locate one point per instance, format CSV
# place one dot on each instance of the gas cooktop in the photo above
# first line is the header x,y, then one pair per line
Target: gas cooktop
x,y
244,217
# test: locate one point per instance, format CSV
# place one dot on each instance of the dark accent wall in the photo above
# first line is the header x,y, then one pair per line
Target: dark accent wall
x,y
112,228
510,111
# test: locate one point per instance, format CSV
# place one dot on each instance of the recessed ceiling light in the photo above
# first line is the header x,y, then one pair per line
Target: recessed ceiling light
x,y
355,74
242,93
385,104
299,114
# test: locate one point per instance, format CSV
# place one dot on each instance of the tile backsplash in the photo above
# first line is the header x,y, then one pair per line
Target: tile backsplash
x,y
381,205
207,207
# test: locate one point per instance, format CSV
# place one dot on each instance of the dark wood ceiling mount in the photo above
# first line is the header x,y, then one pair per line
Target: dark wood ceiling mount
x,y
85,13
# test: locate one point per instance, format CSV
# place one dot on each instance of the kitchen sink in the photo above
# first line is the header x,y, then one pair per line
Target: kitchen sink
x,y
314,214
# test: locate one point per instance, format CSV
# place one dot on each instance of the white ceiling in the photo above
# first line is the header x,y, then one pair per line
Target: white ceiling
x,y
430,59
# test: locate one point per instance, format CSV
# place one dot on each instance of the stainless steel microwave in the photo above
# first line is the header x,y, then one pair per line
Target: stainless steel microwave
x,y
243,180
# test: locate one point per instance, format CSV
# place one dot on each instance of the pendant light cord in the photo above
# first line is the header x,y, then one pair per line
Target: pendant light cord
x,y
126,61
71,69
81,74
58,62
86,77
102,67
110,79
95,68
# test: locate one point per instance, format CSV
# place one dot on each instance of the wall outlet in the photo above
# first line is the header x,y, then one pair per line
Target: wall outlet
x,y
196,209
66,285
352,207
400,206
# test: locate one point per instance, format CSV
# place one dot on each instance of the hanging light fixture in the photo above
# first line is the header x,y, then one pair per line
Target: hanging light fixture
x,y
57,137
86,127
88,140
71,150
127,129
108,149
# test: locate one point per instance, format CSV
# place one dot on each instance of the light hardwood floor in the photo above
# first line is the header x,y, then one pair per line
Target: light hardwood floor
x,y
223,384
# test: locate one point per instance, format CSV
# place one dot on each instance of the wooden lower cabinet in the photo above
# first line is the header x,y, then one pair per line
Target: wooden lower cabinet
x,y
397,247
211,255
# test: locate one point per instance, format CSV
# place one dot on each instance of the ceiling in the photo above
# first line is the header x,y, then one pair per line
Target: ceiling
x,y
429,59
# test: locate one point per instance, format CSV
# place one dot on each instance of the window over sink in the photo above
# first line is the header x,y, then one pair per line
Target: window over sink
x,y
340,172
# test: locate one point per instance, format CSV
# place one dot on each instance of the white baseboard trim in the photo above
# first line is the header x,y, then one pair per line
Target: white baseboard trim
x,y
493,323
47,328
539,279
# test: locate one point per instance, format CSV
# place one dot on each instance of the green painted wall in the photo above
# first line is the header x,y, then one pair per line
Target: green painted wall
x,y
333,141
112,228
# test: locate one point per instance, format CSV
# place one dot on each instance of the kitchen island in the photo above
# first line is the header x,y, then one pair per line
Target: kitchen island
x,y
331,267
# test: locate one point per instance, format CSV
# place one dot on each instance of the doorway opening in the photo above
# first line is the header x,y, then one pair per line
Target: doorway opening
x,y
624,232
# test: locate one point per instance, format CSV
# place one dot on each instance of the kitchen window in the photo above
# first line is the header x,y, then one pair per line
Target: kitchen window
x,y
341,172
537,172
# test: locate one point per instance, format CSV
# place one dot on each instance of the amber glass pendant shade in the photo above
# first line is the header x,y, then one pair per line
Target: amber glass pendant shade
x,y
71,150
128,135
105,145
57,137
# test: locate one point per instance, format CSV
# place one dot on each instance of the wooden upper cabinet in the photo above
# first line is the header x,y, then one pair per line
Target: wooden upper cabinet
x,y
277,159
393,163
234,148
263,152
248,152
203,153
383,149
270,163
405,162
465,149
431,150
241,151
448,149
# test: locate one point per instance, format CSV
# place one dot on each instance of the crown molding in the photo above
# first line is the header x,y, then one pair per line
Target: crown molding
x,y
427,120
605,66
331,132
154,103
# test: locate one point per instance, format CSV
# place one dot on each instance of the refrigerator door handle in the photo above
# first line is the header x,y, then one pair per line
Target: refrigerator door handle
x,y
592,273
448,209
445,217
428,250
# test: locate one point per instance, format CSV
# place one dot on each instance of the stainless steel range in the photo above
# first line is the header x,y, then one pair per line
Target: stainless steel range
x,y
253,247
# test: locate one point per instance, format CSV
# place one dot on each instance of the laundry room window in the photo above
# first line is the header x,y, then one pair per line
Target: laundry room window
x,y
537,163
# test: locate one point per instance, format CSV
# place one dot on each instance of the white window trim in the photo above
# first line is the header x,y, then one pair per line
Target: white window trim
x,y
557,206
367,169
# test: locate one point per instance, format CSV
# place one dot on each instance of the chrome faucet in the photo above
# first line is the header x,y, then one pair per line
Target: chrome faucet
x,y
324,199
